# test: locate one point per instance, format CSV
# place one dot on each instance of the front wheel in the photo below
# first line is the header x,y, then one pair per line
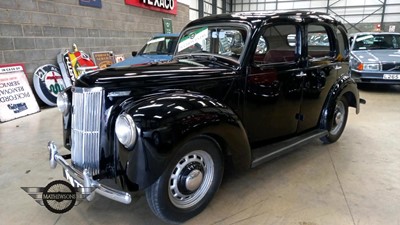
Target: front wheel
x,y
189,182
338,122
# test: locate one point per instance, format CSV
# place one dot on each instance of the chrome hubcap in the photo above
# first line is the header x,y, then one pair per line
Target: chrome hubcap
x,y
191,179
338,118
194,180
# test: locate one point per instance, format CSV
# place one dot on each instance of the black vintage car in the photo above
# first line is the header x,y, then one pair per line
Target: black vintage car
x,y
243,88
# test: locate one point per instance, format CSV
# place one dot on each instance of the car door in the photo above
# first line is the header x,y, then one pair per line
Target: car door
x,y
320,72
273,85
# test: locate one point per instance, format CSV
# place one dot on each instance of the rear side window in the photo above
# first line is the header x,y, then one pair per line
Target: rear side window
x,y
277,44
343,43
319,43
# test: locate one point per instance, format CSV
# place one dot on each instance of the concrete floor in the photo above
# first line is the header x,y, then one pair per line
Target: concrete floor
x,y
353,181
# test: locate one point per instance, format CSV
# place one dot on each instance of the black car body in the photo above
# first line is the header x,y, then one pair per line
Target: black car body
x,y
243,88
375,57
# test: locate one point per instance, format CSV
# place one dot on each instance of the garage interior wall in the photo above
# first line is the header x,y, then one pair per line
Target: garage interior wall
x,y
357,15
33,32
201,8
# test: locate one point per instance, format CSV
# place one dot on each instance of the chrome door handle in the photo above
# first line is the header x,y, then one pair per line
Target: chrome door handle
x,y
301,74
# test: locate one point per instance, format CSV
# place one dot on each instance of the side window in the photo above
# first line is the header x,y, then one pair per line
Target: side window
x,y
319,45
276,45
343,44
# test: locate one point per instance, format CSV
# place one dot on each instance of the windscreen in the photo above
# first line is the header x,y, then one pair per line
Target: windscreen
x,y
160,46
377,41
222,40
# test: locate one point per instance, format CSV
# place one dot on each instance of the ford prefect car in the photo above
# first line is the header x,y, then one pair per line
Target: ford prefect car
x,y
375,57
242,89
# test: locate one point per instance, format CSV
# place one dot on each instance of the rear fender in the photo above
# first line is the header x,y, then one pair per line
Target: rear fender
x,y
344,86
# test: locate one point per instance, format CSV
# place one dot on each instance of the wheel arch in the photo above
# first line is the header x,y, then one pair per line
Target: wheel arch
x,y
162,130
344,86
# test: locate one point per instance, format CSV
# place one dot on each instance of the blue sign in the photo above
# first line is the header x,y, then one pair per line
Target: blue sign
x,y
91,3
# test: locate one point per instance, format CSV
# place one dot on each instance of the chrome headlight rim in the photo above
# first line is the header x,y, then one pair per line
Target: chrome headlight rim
x,y
63,103
125,130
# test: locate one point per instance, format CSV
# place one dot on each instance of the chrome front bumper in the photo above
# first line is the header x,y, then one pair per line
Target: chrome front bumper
x,y
84,180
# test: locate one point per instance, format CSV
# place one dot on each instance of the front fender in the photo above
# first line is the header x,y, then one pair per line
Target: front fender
x,y
166,121
344,86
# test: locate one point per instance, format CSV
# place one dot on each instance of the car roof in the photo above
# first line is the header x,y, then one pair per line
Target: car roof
x,y
258,16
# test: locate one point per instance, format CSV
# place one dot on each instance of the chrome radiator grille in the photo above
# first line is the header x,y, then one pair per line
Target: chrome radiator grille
x,y
85,128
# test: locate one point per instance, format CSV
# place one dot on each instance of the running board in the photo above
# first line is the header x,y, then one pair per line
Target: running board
x,y
268,152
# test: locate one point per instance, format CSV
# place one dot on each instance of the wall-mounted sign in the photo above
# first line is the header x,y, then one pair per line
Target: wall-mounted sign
x,y
165,6
48,82
167,26
119,58
392,28
91,3
16,96
103,59
73,64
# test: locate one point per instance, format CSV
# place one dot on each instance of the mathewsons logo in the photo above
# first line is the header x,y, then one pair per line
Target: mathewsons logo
x,y
58,196
165,6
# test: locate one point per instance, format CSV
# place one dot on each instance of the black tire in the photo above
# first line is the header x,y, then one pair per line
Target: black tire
x,y
338,122
189,182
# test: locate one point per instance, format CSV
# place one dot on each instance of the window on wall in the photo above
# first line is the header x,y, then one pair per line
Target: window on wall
x,y
200,8
193,9
208,7
193,14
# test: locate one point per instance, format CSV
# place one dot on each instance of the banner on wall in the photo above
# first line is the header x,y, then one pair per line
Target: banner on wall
x,y
164,6
167,26
16,96
91,3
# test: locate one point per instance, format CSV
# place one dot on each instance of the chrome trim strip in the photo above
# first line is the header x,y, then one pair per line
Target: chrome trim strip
x,y
85,179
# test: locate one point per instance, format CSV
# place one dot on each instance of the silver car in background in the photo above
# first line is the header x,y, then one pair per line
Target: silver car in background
x,y
375,57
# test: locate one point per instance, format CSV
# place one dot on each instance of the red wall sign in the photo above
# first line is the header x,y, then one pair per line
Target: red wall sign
x,y
165,6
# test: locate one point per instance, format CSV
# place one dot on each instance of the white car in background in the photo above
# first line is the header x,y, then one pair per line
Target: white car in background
x,y
375,57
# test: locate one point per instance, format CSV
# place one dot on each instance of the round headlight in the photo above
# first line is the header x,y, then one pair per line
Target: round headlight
x,y
62,102
125,129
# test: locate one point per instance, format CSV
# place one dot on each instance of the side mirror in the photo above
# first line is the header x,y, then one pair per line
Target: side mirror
x,y
134,53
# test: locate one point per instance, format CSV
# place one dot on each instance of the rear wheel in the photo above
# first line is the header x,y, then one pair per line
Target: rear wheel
x,y
189,183
338,122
